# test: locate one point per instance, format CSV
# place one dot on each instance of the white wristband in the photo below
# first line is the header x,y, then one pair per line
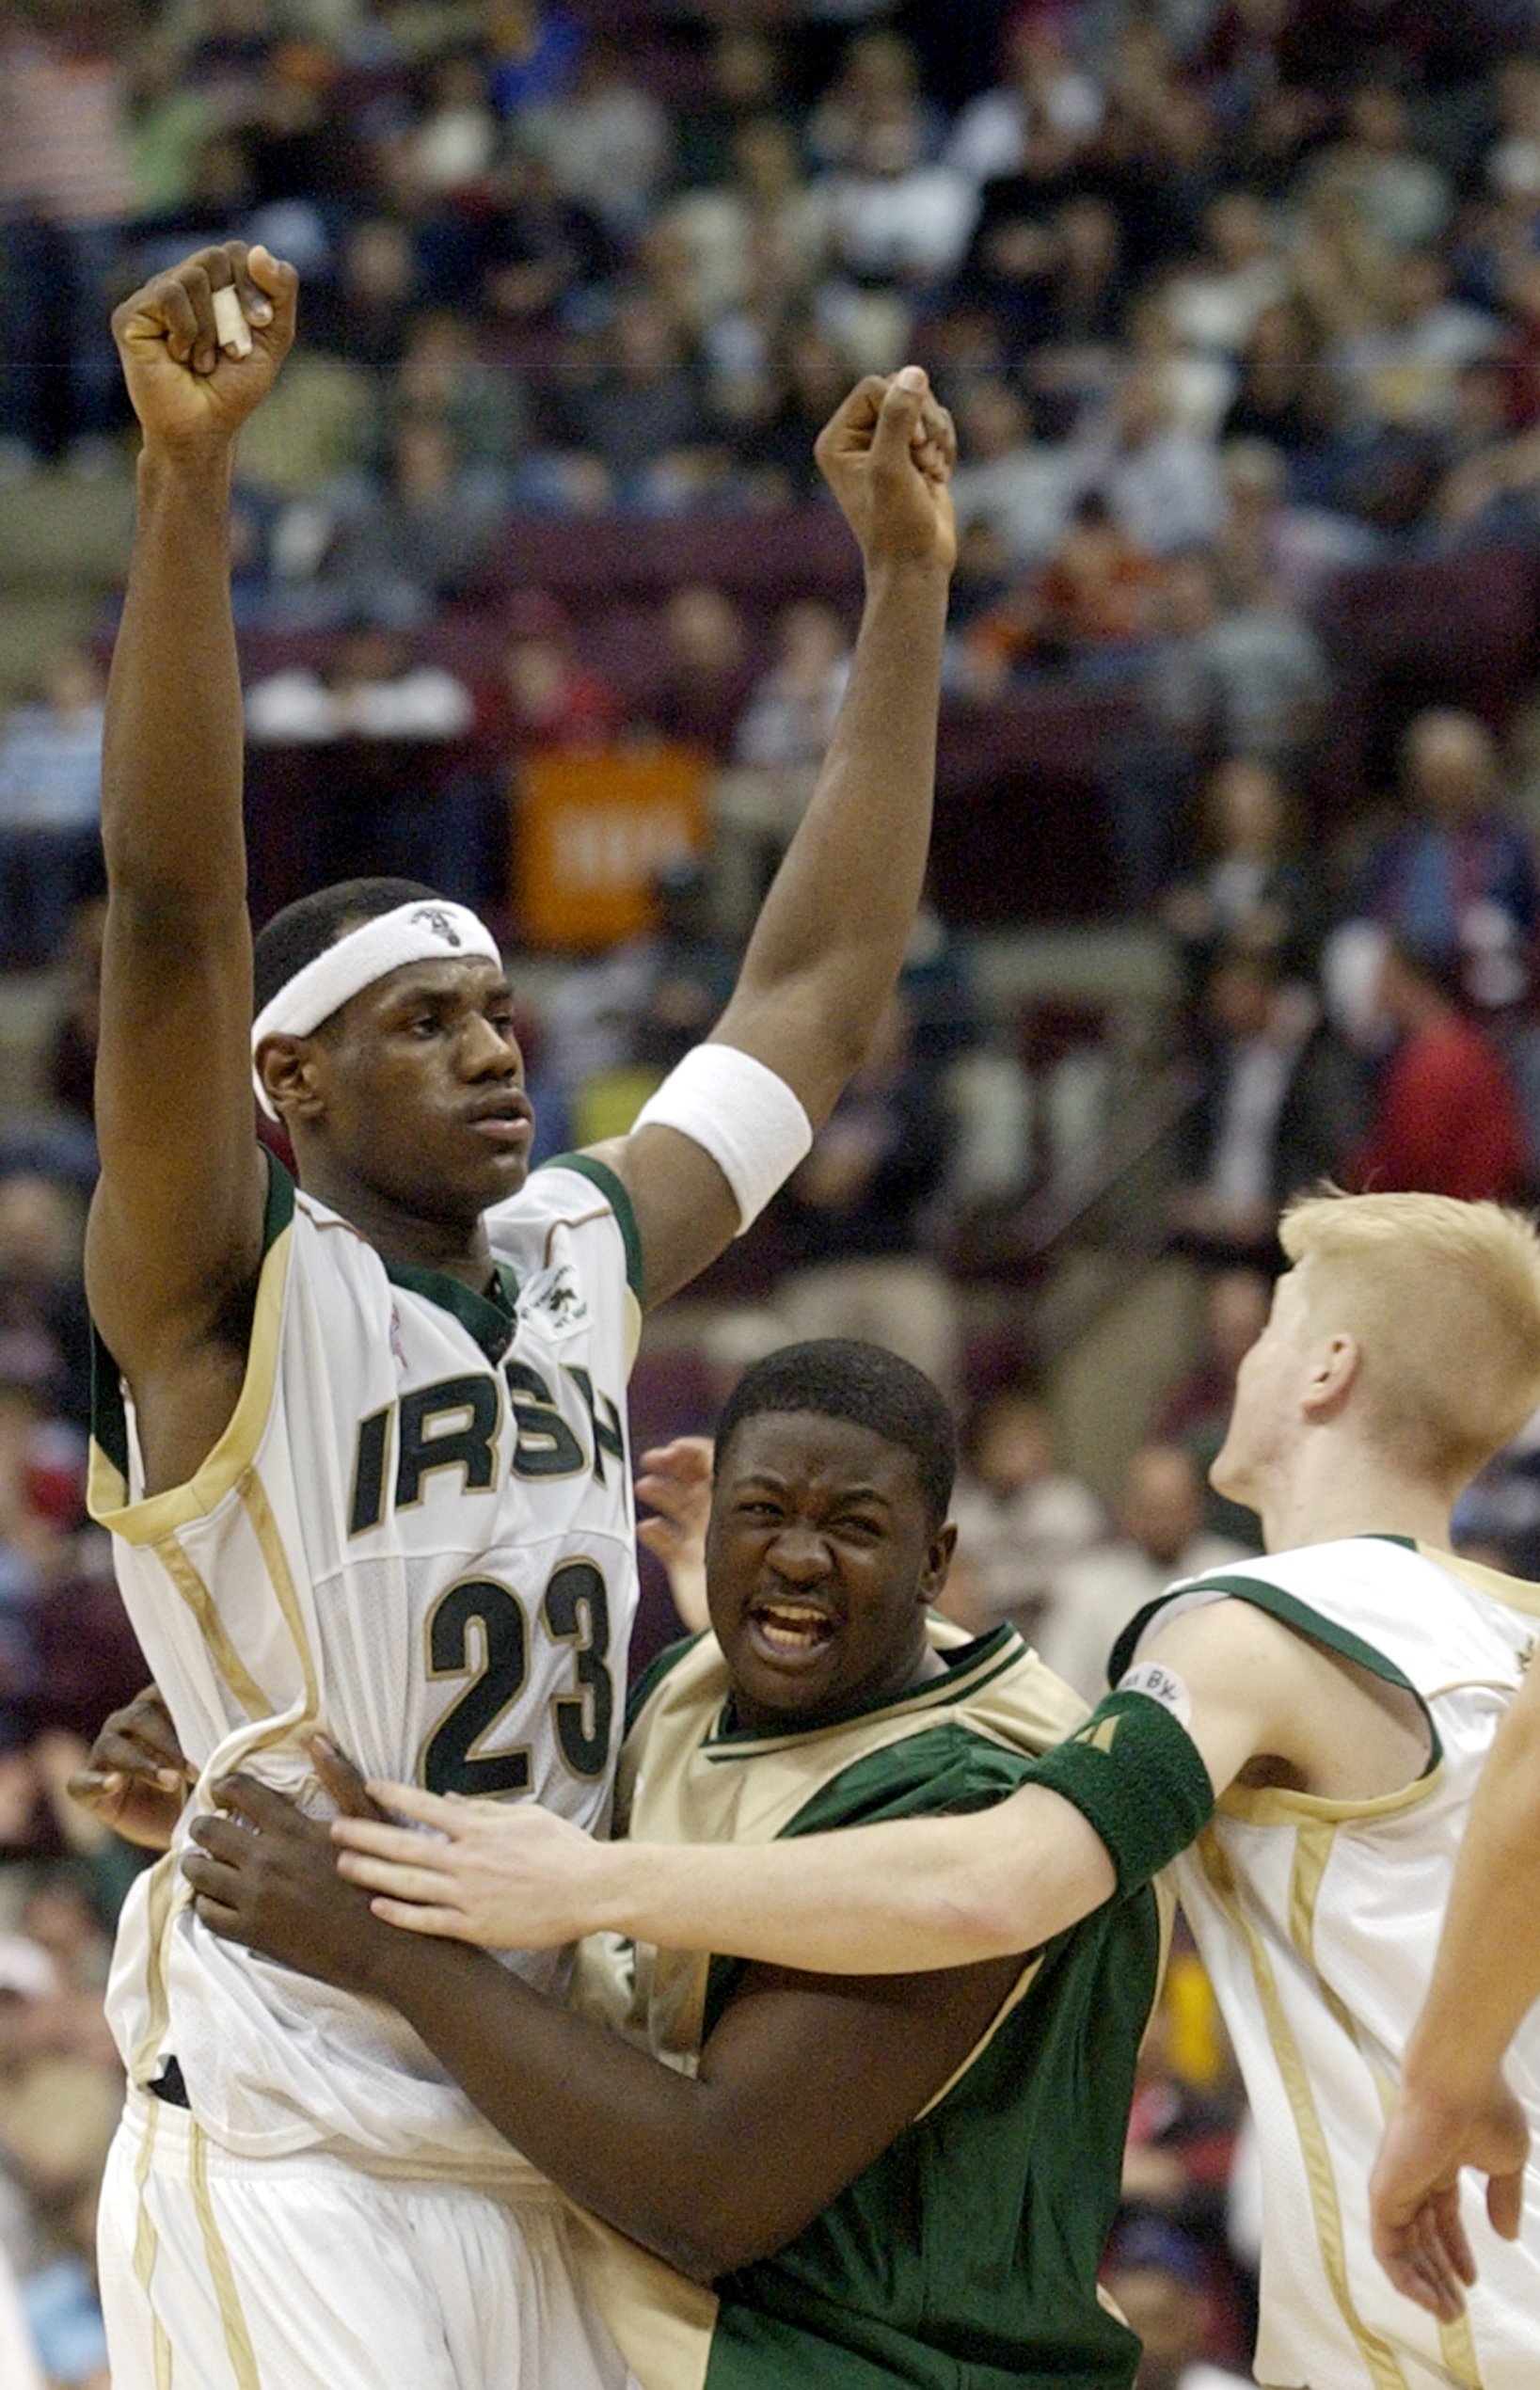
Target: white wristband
x,y
750,1122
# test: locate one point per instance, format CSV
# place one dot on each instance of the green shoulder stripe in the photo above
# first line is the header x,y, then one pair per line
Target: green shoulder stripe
x,y
617,1195
657,1669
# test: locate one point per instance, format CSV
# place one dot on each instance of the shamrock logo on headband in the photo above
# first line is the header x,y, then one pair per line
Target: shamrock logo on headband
x,y
434,917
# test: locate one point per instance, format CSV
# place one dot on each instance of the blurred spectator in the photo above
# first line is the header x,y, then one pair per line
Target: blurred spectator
x,y
66,186
786,726
1093,608
1022,488
536,46
897,228
856,1214
1045,108
1282,1108
444,377
1456,876
613,1028
1160,482
1283,396
50,807
554,699
1265,666
1378,172
877,86
641,415
1195,1409
1400,371
1218,299
1160,1536
775,447
1253,887
403,788
45,1339
1021,1515
373,687
704,678
605,140
1446,1119
387,550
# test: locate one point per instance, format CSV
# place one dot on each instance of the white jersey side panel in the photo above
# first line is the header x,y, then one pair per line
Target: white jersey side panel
x,y
1318,1922
417,1535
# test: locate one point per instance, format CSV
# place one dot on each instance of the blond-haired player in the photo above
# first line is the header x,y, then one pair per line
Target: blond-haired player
x,y
1311,1724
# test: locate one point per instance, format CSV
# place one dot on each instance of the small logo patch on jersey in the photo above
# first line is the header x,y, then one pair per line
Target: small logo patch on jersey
x,y
562,1301
1525,1657
1163,1685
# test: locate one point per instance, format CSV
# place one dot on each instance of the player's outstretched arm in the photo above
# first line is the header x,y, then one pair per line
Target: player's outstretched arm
x,y
923,1893
175,1224
1455,2107
830,940
801,2086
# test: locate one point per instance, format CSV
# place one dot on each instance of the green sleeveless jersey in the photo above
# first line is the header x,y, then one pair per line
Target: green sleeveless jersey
x,y
966,2257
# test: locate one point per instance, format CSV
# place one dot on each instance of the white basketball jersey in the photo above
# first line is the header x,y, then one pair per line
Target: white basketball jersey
x,y
417,1533
1318,1922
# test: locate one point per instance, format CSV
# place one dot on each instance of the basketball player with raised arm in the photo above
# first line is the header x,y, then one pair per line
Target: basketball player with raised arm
x,y
1306,1730
360,1443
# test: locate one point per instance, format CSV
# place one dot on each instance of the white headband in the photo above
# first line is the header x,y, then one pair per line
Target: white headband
x,y
423,932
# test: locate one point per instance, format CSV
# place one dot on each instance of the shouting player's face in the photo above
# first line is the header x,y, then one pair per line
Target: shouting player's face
x,y
421,1088
821,1559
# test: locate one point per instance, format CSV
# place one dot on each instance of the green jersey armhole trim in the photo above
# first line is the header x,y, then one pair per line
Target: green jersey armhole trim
x,y
618,1196
108,1491
1260,1803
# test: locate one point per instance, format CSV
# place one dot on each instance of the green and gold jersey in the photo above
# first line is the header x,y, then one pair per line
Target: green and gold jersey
x,y
965,2257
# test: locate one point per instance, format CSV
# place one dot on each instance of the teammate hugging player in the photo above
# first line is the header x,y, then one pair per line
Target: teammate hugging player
x,y
361,1445
902,2179
1331,1706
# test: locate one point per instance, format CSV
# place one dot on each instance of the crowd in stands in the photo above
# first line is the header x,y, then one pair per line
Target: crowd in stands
x,y
1237,306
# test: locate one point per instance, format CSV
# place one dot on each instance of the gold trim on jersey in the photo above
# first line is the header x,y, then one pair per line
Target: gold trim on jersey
x,y
238,2348
211,1626
1273,1805
1514,1593
152,1516
146,2246
1378,2358
161,1904
270,1543
660,2320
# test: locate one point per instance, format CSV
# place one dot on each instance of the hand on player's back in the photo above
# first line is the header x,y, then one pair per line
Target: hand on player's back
x,y
188,390
887,454
1414,2193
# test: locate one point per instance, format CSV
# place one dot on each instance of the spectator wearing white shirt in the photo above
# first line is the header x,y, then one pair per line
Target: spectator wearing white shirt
x,y
1162,482
1022,491
1045,110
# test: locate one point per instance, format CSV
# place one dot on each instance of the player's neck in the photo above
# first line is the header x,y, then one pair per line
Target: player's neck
x,y
406,1239
1332,1489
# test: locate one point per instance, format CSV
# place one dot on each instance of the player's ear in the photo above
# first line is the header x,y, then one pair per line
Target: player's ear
x,y
938,1561
288,1068
1334,1372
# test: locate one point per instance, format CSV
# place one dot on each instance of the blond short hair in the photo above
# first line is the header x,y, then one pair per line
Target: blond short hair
x,y
1444,1299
